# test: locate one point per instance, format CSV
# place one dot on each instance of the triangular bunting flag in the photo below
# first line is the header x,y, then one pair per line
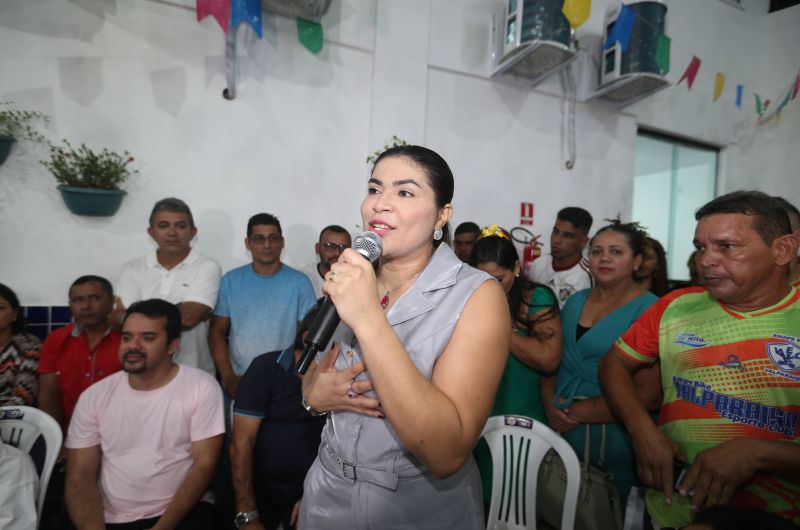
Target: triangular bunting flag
x,y
662,53
759,106
247,11
219,9
739,90
691,72
577,11
310,34
796,86
719,85
621,29
784,101
766,104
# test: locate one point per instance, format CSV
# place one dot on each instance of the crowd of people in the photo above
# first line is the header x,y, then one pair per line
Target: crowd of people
x,y
177,391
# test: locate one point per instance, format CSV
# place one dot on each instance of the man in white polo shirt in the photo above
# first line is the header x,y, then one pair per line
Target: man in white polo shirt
x,y
177,273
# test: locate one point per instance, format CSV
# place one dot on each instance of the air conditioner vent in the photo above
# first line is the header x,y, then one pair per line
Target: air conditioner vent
x,y
307,9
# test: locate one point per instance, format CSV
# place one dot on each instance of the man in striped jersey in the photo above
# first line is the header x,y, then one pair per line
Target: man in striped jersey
x,y
730,371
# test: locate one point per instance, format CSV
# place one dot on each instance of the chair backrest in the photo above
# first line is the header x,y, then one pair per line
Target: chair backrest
x,y
36,433
518,445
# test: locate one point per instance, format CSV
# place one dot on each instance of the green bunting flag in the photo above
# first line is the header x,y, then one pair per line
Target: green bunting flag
x,y
309,34
759,106
662,53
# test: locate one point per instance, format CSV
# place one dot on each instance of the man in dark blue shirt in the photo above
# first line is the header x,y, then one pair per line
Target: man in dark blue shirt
x,y
275,440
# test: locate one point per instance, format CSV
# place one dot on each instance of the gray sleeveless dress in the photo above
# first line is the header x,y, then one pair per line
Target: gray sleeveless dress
x,y
363,477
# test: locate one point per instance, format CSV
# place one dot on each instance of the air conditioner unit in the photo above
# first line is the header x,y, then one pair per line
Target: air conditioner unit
x,y
531,39
307,9
628,76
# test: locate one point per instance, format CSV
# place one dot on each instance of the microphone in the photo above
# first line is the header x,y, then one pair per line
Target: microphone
x,y
369,245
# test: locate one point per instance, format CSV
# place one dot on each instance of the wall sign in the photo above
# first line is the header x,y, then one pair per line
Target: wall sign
x,y
526,213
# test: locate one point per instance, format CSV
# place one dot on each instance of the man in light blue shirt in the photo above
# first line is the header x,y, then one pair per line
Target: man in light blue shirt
x,y
259,304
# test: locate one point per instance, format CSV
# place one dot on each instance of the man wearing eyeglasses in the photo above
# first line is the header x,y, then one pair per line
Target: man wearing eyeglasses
x,y
259,304
332,241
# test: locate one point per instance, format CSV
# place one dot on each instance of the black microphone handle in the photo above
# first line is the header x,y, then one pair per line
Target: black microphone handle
x,y
369,245
320,334
305,359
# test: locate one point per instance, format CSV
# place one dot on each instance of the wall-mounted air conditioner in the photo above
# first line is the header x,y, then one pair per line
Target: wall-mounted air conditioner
x,y
628,76
531,39
307,9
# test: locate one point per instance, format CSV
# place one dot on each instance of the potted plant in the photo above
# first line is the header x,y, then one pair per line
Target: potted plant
x,y
90,181
16,125
394,142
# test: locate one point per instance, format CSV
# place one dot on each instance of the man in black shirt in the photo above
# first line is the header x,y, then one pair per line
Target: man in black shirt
x,y
275,440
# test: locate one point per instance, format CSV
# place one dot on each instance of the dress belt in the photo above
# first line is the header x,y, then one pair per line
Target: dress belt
x,y
383,477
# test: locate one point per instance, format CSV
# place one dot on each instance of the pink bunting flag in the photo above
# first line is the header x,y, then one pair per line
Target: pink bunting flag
x,y
796,86
691,72
219,9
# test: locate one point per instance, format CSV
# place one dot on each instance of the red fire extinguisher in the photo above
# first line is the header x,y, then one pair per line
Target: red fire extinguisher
x,y
532,248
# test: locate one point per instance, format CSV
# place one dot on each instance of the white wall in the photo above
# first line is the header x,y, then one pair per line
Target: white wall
x,y
766,155
146,77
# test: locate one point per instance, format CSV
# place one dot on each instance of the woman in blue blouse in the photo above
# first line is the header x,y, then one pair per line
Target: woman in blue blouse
x,y
592,320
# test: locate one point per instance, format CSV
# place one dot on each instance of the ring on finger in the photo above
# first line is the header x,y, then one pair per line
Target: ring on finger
x,y
332,275
352,394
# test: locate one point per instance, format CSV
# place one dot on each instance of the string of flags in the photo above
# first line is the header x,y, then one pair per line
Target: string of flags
x,y
578,11
230,13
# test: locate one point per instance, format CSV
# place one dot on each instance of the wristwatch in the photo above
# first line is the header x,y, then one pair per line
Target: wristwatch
x,y
242,519
311,410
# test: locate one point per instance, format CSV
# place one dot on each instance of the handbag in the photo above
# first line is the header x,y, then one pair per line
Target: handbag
x,y
598,500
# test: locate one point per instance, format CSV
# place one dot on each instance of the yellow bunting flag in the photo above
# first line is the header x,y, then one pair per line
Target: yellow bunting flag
x,y
577,11
719,85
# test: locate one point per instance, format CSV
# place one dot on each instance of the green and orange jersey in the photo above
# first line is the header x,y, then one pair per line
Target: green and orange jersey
x,y
725,375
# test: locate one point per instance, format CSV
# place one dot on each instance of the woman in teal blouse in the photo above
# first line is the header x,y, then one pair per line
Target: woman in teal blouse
x,y
592,320
535,336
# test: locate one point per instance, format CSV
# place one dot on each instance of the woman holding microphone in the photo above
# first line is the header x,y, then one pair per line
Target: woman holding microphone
x,y
414,367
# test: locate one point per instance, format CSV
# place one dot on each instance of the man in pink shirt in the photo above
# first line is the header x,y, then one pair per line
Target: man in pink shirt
x,y
144,442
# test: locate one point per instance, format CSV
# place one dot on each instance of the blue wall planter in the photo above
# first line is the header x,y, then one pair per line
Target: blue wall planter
x,y
5,147
91,202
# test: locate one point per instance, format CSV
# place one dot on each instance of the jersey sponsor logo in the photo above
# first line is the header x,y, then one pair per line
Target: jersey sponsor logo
x,y
734,363
737,410
785,375
784,354
691,340
564,293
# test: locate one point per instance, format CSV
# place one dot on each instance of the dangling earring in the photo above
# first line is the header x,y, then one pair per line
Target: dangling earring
x,y
437,234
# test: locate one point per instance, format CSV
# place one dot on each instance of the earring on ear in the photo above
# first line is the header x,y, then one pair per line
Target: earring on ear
x,y
437,234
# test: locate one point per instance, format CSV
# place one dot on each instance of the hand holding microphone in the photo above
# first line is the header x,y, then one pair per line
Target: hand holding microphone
x,y
369,245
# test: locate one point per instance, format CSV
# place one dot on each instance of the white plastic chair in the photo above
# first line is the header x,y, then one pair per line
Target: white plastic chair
x,y
518,445
36,433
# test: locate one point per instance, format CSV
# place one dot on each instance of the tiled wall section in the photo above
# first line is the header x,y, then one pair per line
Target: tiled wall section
x,y
43,319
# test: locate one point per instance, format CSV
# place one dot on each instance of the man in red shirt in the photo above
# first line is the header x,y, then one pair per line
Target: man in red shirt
x,y
80,354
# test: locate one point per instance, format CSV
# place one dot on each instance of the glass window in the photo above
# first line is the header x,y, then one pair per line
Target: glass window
x,y
673,178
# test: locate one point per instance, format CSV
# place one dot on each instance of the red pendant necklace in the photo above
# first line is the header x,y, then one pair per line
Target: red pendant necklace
x,y
385,299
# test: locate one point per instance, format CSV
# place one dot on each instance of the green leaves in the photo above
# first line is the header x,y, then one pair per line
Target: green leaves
x,y
85,168
394,142
19,123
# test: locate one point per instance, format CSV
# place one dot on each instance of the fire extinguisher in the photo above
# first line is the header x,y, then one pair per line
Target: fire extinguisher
x,y
532,248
